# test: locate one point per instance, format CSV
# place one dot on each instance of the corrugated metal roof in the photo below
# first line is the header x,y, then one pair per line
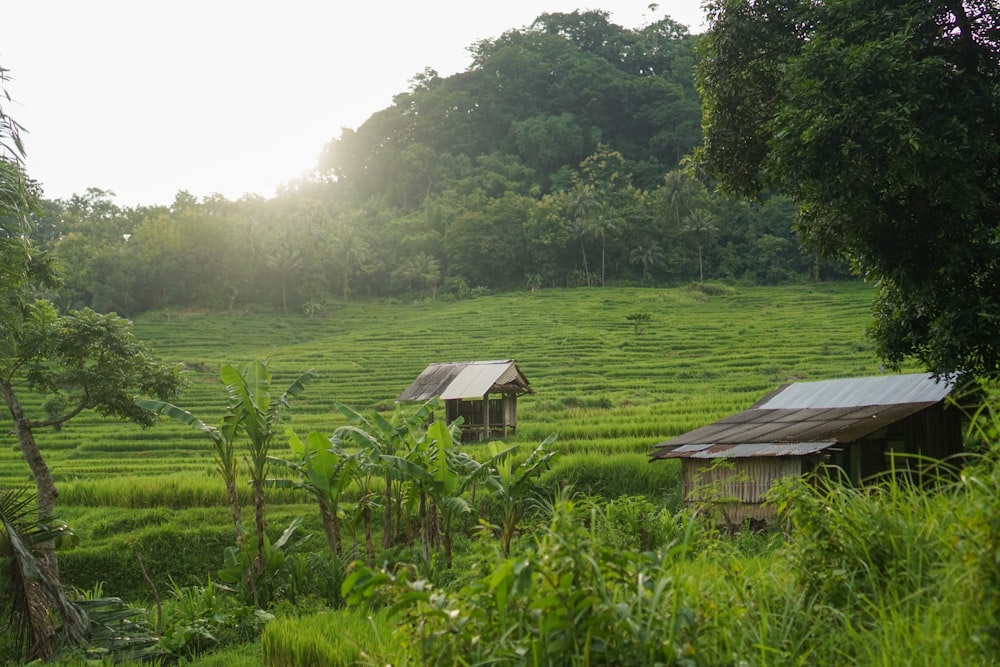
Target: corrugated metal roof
x,y
807,414
716,451
855,392
465,380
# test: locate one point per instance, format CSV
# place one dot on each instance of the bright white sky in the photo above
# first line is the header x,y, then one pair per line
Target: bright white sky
x,y
232,96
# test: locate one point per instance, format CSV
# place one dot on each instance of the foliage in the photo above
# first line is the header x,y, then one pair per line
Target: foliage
x,y
324,470
198,619
90,362
638,321
875,129
224,446
466,184
513,482
43,618
567,600
251,412
261,581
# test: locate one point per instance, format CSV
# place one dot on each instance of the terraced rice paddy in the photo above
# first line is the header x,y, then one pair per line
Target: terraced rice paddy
x,y
600,384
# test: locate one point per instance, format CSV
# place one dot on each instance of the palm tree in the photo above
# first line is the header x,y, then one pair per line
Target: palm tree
x,y
580,206
649,254
286,260
679,192
605,222
42,616
353,254
700,224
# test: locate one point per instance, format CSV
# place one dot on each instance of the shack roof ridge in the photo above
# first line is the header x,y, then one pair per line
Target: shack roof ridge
x,y
466,380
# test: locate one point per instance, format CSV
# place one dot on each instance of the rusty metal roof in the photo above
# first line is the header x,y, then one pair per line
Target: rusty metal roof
x,y
807,417
466,380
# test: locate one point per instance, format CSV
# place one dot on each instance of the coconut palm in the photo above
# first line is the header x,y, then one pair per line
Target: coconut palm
x,y
42,616
700,225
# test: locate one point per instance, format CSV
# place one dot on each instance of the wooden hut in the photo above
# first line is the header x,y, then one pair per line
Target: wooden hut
x,y
860,425
483,393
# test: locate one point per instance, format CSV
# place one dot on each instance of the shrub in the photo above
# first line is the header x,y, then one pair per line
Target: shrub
x,y
616,476
568,600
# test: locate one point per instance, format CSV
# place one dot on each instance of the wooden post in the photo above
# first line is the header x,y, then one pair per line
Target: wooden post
x,y
486,416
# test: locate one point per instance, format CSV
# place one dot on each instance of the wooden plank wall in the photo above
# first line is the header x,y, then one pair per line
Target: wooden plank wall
x,y
741,480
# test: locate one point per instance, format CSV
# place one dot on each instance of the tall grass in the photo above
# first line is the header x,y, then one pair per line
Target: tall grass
x,y
328,639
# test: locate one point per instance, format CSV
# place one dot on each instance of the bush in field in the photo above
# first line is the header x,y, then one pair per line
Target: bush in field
x,y
197,619
613,476
167,552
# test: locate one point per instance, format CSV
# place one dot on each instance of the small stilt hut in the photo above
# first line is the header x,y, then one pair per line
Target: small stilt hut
x,y
483,393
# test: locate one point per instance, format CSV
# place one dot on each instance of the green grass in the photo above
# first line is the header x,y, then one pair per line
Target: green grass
x,y
601,386
893,576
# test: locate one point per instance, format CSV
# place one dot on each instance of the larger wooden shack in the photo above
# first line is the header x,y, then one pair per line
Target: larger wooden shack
x,y
857,424
483,393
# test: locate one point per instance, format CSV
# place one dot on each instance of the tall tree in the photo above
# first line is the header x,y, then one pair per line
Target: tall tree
x,y
82,361
700,226
885,132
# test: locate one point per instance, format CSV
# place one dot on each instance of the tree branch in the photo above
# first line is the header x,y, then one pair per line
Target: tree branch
x,y
53,421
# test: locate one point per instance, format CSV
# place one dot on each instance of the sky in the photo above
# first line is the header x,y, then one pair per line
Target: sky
x,y
232,97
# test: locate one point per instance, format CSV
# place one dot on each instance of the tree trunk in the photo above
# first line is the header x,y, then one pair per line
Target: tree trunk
x,y
261,525
331,526
235,509
446,539
366,518
603,246
44,483
387,516
424,528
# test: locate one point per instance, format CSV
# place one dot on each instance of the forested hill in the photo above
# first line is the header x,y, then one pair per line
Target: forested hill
x,y
549,95
552,161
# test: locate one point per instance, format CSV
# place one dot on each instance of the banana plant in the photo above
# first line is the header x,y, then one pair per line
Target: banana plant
x,y
513,482
453,473
379,437
257,416
251,412
325,469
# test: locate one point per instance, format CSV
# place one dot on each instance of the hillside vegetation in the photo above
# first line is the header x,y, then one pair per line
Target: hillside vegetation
x,y
857,574
601,383
554,160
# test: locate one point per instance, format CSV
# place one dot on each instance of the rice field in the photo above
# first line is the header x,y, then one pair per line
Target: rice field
x,y
601,384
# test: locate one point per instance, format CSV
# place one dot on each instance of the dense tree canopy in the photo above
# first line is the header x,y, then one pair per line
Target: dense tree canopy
x,y
884,128
554,160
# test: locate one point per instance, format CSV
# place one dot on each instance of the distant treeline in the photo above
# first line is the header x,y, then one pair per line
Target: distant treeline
x,y
552,161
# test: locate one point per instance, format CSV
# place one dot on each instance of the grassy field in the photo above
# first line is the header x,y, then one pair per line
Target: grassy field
x,y
891,560
600,384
